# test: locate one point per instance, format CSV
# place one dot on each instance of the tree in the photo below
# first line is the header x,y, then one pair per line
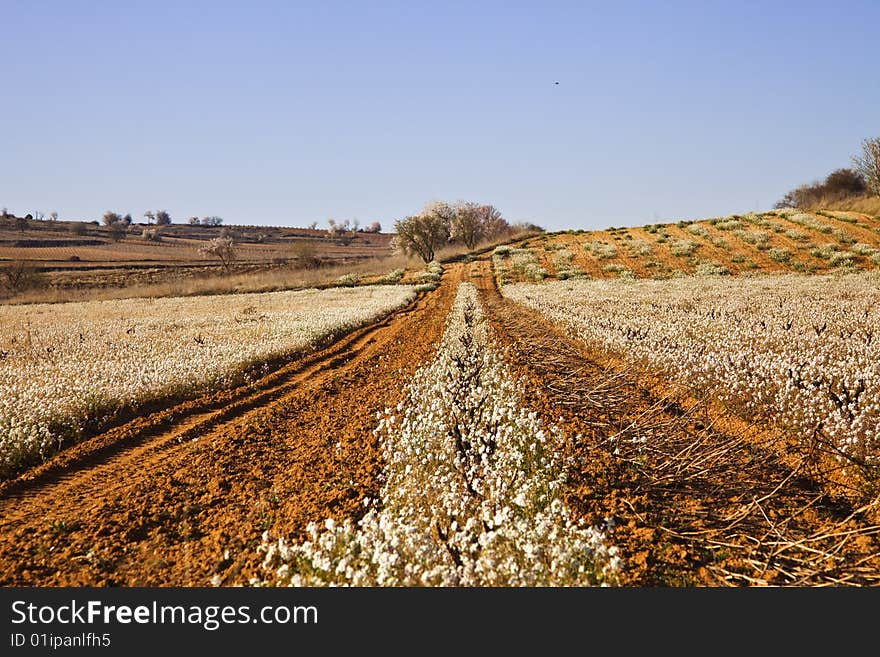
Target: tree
x,y
212,221
375,227
118,230
127,219
867,163
149,216
53,216
222,248
110,218
313,225
163,218
423,234
21,223
193,221
467,225
306,254
19,275
494,225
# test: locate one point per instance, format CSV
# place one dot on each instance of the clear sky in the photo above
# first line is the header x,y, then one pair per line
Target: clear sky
x,y
285,113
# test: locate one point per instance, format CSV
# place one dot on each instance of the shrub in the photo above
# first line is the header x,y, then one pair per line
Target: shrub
x,y
601,250
683,248
843,237
842,259
729,224
392,277
779,254
796,235
863,249
638,248
348,280
711,269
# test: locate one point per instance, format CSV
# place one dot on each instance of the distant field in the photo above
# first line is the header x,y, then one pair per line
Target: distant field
x,y
771,242
73,255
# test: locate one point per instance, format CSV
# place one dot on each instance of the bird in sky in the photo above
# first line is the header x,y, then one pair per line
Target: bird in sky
x,y
555,83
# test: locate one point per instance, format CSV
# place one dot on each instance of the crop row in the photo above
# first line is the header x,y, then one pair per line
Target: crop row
x,y
471,494
803,351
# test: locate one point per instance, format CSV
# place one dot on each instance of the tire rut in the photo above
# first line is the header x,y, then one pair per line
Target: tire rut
x,y
181,496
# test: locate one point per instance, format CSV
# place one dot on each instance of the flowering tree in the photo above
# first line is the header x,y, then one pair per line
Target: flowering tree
x,y
222,248
868,164
423,234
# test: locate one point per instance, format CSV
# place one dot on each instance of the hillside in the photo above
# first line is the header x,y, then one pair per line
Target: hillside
x,y
770,242
78,255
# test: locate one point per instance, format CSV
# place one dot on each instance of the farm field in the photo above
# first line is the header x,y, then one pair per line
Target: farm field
x,y
771,242
640,433
79,256
65,366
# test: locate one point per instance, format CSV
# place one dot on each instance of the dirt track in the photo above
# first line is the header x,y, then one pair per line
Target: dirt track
x,y
182,495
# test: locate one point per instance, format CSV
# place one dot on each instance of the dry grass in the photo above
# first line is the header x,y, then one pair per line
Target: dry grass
x,y
268,280
864,204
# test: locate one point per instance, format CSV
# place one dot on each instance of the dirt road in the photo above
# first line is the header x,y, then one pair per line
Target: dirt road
x,y
182,495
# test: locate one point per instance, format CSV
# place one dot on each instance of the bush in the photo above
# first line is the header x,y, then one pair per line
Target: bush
x,y
392,277
348,280
601,250
711,269
779,254
729,224
683,248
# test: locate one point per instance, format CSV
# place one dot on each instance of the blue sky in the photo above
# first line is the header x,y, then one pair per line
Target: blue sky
x,y
285,113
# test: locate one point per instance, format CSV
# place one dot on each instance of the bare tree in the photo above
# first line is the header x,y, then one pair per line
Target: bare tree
x,y
867,163
19,275
222,248
494,225
313,225
53,216
193,221
375,227
149,216
467,225
110,218
212,221
423,234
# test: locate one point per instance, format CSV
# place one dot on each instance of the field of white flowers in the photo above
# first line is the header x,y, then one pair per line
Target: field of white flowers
x,y
803,351
63,364
471,493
